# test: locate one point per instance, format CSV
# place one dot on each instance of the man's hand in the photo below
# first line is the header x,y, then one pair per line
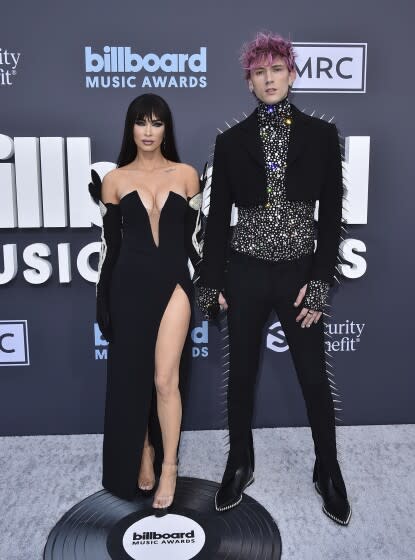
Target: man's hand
x,y
222,302
307,316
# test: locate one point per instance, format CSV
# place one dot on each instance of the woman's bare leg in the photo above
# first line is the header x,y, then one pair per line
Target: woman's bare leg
x,y
169,346
146,478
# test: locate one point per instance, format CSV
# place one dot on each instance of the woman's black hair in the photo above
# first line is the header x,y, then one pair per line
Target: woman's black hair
x,y
148,105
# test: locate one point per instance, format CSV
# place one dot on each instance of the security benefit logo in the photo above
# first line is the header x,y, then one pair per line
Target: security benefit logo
x,y
331,67
160,538
339,337
343,337
14,343
276,340
199,336
121,67
8,66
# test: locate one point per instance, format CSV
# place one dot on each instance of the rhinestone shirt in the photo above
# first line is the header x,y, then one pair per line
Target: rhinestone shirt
x,y
281,229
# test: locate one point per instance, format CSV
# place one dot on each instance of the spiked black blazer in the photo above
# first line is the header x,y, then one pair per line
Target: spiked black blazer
x,y
313,172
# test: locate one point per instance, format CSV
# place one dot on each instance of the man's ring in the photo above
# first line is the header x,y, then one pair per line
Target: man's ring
x,y
310,311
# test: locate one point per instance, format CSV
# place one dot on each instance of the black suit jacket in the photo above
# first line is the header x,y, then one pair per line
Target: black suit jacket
x,y
313,172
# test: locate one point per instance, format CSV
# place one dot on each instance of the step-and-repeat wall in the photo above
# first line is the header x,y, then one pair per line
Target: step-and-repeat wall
x,y
67,74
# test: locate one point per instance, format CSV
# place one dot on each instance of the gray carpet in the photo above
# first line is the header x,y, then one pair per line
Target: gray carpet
x,y
42,477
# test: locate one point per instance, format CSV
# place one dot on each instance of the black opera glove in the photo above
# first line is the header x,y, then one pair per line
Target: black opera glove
x,y
193,232
316,295
207,301
110,248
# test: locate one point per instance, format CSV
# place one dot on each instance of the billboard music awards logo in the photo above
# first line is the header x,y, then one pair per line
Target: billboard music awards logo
x,y
331,67
121,67
200,339
339,337
158,538
46,187
8,66
199,336
14,343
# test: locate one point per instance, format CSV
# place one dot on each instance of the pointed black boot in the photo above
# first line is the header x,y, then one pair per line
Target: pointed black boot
x,y
232,487
335,504
239,474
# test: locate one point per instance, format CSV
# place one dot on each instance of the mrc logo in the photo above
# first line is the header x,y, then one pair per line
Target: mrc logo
x,y
331,67
14,343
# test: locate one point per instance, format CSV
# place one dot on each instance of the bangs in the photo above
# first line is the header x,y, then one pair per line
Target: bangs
x,y
149,107
262,59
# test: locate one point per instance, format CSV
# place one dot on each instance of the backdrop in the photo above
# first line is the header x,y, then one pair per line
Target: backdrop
x,y
67,74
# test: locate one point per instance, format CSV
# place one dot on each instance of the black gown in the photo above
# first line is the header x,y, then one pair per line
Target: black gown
x,y
143,280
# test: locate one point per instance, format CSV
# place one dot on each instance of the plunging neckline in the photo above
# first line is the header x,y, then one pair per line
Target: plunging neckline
x,y
157,246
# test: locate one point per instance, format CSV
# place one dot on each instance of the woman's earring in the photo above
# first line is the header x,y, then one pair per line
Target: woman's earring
x,y
164,143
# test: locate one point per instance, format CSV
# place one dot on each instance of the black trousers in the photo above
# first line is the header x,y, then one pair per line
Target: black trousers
x,y
254,288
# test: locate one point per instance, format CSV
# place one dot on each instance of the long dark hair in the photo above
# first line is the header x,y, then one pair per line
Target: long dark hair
x,y
148,105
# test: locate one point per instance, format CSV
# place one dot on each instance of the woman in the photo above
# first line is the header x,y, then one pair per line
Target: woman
x,y
144,295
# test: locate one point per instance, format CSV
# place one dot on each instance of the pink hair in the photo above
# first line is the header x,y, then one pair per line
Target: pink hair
x,y
263,49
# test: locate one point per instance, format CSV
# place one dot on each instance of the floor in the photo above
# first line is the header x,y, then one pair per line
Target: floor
x,y
41,477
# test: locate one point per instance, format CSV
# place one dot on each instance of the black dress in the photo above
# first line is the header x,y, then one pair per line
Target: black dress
x,y
143,279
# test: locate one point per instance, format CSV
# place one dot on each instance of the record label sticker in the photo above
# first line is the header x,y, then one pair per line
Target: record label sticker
x,y
175,537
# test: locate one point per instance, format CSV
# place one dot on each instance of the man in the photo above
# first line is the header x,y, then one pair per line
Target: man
x,y
274,166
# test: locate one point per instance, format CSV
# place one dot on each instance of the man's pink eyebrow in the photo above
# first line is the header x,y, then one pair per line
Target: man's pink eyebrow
x,y
273,66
